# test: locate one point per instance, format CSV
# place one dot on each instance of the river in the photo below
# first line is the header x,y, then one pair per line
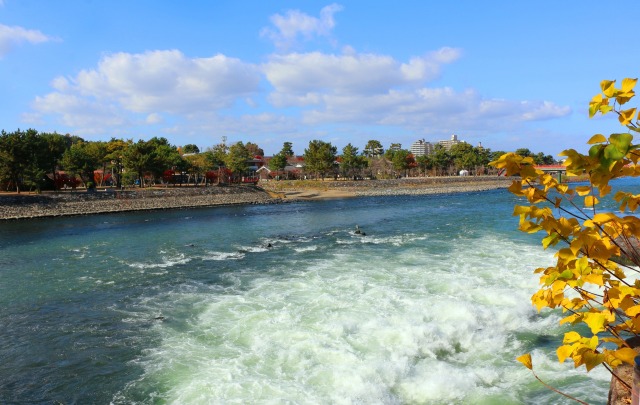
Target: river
x,y
282,304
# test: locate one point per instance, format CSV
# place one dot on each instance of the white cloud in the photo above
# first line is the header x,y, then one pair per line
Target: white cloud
x,y
168,81
300,78
127,93
154,118
294,23
150,83
77,112
366,89
13,36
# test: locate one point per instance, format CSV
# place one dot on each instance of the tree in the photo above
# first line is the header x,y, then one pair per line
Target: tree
x,y
524,152
351,162
137,159
17,152
464,156
163,156
287,149
595,248
82,159
237,159
254,149
190,148
116,150
319,157
55,146
400,159
441,160
373,148
424,163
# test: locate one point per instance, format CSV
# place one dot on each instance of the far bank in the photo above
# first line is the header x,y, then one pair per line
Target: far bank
x,y
55,204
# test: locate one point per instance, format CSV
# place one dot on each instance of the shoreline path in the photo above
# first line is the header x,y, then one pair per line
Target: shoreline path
x,y
26,205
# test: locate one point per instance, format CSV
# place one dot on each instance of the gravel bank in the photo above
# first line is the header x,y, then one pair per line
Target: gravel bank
x,y
83,203
405,186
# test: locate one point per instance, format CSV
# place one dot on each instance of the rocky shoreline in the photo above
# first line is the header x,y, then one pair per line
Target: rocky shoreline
x,y
110,201
23,206
404,186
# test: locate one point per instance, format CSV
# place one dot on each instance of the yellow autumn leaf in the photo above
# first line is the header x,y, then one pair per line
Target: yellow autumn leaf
x,y
626,116
625,354
608,87
633,311
628,84
597,138
564,352
592,359
526,360
583,190
571,337
590,201
595,321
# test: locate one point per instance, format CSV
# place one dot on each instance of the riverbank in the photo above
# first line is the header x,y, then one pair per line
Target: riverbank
x,y
309,190
25,205
21,206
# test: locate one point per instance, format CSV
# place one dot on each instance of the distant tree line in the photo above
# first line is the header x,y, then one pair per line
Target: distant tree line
x,y
34,161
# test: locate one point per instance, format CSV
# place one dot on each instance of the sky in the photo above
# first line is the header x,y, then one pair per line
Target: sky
x,y
504,74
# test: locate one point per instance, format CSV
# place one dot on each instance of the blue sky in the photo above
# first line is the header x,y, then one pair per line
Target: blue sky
x,y
508,74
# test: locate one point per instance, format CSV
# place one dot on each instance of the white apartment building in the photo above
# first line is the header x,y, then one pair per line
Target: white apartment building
x,y
421,148
449,143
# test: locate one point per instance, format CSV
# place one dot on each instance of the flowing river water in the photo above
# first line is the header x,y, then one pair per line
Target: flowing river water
x,y
282,304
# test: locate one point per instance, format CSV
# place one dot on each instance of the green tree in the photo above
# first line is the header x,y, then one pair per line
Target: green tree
x,y
373,148
137,159
116,149
287,149
237,159
55,145
82,159
441,159
464,156
164,156
190,148
351,162
17,152
319,158
424,164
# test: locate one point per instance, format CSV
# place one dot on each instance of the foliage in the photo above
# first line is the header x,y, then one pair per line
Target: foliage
x,y
190,148
319,157
373,148
236,159
278,162
254,149
82,158
350,161
587,280
287,149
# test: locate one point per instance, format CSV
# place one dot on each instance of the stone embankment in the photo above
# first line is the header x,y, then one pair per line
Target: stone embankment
x,y
435,185
106,201
404,186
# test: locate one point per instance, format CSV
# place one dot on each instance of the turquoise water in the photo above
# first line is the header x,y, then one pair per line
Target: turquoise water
x,y
194,307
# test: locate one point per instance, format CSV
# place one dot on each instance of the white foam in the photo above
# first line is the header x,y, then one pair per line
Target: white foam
x,y
223,256
372,327
167,261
